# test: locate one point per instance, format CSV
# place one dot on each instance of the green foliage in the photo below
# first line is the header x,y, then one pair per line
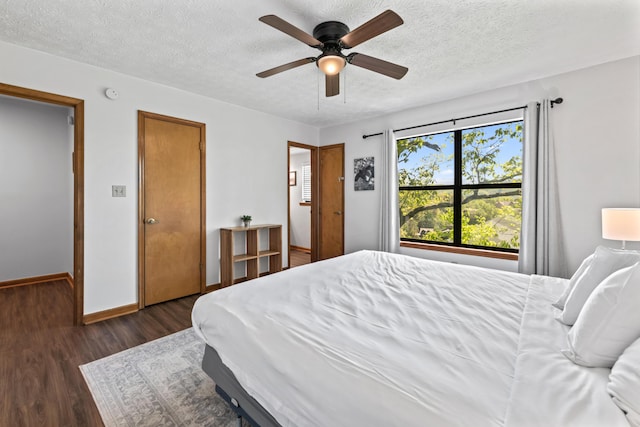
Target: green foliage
x,y
424,224
489,217
408,146
479,154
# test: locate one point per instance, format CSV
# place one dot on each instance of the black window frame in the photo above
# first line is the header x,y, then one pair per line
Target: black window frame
x,y
458,188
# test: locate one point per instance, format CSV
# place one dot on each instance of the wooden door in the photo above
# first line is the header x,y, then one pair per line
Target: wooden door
x,y
172,208
331,203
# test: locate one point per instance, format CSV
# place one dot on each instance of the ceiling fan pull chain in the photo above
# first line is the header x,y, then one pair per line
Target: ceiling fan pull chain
x,y
344,84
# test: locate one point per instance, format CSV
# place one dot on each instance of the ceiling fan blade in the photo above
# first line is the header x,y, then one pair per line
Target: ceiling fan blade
x,y
332,84
285,67
292,30
382,23
378,65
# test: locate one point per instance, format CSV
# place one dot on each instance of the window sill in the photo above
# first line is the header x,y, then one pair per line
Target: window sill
x,y
305,203
463,251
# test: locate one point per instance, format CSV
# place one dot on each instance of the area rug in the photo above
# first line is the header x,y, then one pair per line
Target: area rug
x,y
159,383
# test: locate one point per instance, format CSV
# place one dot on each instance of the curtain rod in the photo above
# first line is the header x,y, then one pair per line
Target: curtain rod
x,y
554,101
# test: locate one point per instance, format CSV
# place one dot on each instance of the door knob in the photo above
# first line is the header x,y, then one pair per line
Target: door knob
x,y
338,212
151,221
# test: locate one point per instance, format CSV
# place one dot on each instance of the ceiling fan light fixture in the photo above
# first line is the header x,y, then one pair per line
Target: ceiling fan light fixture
x,y
331,37
331,64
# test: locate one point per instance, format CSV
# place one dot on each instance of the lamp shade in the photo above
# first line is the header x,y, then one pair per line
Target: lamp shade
x,y
331,64
621,224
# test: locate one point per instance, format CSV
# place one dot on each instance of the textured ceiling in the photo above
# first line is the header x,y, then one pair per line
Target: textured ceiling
x,y
215,47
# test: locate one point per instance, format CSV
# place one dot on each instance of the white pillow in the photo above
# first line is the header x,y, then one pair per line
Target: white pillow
x,y
624,383
609,321
574,279
605,261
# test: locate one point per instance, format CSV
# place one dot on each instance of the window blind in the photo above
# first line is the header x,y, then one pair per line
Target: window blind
x,y
306,183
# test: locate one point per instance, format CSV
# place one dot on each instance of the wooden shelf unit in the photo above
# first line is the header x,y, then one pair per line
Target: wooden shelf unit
x,y
252,254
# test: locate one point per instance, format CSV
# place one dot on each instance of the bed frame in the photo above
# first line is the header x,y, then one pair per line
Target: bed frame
x,y
228,387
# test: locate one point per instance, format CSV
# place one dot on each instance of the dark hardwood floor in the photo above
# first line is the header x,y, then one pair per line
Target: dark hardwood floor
x,y
299,257
40,351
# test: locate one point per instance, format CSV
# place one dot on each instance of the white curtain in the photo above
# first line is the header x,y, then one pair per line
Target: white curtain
x,y
541,248
387,177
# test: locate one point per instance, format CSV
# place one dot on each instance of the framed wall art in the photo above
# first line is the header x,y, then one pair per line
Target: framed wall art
x,y
363,172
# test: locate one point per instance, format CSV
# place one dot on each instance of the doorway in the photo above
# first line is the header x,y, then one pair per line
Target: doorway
x,y
78,183
302,164
172,217
326,210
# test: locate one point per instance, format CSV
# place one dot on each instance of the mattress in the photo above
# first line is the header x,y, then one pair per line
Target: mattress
x,y
372,338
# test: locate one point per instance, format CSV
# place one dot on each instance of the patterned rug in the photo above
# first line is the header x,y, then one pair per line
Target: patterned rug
x,y
159,383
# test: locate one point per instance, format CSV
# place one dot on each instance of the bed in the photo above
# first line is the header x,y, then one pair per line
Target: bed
x,y
378,339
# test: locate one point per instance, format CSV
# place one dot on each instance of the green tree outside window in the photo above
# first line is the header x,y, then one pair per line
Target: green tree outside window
x,y
462,187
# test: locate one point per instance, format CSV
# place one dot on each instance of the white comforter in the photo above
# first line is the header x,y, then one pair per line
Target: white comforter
x,y
374,339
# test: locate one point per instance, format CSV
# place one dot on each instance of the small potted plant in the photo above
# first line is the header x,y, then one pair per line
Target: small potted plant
x,y
246,220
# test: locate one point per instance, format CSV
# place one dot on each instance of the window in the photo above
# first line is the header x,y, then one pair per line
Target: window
x,y
462,187
306,183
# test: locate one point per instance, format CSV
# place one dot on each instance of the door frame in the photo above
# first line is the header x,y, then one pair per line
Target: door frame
x,y
78,183
141,212
314,199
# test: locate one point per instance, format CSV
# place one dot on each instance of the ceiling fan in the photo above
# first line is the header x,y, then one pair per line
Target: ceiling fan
x,y
331,38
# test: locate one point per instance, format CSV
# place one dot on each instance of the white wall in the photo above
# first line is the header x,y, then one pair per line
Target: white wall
x,y
246,163
300,215
36,190
597,134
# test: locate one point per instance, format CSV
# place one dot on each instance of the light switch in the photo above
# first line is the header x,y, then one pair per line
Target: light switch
x,y
118,191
